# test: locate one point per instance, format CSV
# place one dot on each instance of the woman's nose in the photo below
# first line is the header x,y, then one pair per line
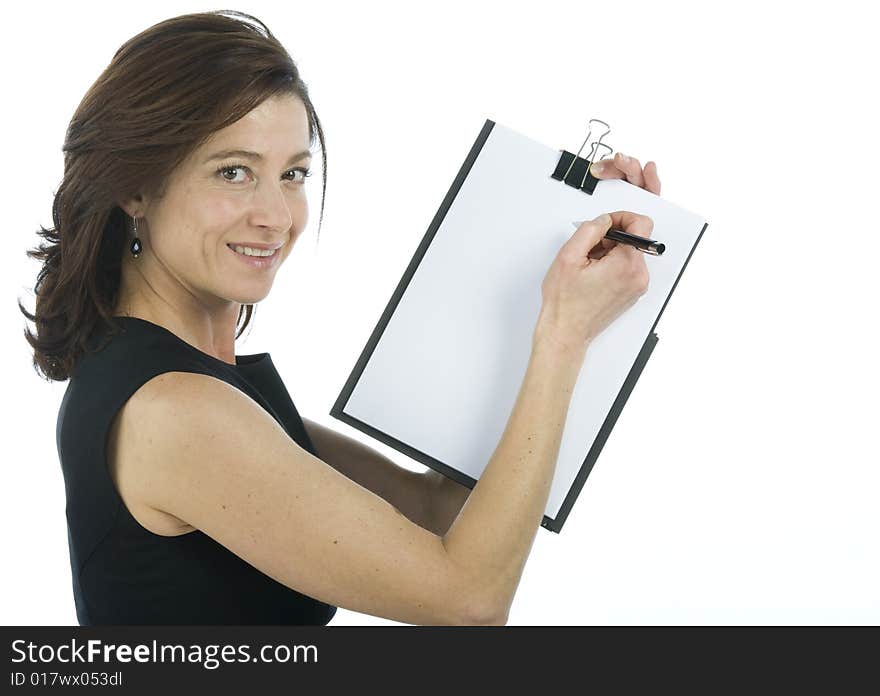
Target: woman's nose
x,y
271,206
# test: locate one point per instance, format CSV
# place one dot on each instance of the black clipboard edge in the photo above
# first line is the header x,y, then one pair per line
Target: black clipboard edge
x,y
680,274
411,452
555,524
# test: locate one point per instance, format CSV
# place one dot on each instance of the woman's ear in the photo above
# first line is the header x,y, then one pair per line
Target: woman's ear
x,y
134,206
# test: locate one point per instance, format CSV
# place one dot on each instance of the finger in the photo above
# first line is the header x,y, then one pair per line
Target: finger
x,y
588,234
602,248
605,169
631,167
591,233
618,168
623,252
632,223
652,181
600,251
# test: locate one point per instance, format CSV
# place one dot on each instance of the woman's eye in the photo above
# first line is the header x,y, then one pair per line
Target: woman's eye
x,y
302,170
224,169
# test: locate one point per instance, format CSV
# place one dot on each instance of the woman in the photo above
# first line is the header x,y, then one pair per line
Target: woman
x,y
194,488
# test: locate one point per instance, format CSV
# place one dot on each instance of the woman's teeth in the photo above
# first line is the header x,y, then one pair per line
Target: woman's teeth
x,y
248,251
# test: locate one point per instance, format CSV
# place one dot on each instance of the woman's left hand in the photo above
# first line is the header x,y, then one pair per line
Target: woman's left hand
x,y
623,167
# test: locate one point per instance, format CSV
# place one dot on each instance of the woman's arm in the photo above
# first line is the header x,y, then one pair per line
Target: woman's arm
x,y
234,473
406,490
445,500
429,499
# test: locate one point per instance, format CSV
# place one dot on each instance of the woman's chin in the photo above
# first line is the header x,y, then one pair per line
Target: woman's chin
x,y
250,298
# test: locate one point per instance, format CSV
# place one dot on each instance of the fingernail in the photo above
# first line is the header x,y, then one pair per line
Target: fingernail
x,y
597,168
623,158
602,219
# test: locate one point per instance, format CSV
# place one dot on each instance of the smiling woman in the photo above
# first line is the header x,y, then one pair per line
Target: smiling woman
x,y
195,493
192,483
185,143
212,244
183,193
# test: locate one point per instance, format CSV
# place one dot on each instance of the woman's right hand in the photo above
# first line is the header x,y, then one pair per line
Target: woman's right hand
x,y
592,281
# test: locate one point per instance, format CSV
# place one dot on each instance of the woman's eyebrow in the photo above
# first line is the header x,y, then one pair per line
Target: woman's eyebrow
x,y
223,154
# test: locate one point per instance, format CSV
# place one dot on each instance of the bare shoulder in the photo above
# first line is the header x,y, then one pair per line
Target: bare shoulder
x,y
126,454
208,457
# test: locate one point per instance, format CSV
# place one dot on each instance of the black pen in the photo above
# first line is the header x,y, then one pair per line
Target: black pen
x,y
649,246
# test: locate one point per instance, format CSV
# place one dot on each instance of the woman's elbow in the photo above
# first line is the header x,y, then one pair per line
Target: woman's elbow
x,y
483,616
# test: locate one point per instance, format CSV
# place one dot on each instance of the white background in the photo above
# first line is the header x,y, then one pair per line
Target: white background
x,y
740,482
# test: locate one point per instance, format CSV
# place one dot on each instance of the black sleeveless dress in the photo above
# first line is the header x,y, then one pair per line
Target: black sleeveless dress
x,y
123,573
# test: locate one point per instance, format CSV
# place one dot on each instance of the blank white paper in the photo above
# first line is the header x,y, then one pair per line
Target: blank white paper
x,y
446,371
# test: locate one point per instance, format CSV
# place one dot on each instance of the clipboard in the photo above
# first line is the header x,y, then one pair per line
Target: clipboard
x,y
440,373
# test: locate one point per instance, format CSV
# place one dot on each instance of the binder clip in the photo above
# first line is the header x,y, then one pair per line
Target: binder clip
x,y
574,170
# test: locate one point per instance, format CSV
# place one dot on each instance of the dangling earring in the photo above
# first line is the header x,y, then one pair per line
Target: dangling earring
x,y
136,244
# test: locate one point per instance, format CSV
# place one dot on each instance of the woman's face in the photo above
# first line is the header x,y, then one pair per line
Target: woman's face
x,y
214,200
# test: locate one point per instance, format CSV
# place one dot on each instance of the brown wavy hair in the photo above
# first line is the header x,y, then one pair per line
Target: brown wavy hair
x,y
166,91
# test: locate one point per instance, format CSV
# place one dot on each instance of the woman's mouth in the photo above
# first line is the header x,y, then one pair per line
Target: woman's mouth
x,y
255,258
